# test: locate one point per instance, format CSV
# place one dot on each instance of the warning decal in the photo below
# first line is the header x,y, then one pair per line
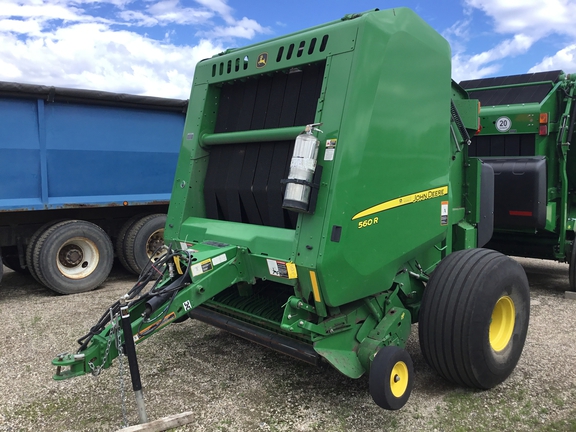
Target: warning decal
x,y
286,270
202,267
444,213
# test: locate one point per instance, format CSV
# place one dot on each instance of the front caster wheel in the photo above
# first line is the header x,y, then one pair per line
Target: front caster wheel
x,y
391,377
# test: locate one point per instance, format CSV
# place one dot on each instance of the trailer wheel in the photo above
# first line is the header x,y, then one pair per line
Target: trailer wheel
x,y
30,249
73,256
390,379
121,241
144,240
474,317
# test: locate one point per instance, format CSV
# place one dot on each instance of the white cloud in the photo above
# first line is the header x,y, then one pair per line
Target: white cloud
x,y
527,22
138,18
245,28
220,7
73,43
91,56
537,17
17,26
565,59
457,35
485,63
170,12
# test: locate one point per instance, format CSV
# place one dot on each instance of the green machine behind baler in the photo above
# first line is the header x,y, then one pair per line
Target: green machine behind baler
x,y
527,125
324,202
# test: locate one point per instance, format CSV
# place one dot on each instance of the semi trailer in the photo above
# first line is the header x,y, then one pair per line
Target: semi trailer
x,y
527,126
324,201
84,175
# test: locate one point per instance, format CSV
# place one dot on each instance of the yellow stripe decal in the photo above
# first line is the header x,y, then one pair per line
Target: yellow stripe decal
x,y
406,199
315,289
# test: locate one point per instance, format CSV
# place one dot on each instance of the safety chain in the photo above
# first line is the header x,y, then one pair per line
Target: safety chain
x,y
97,370
114,335
121,377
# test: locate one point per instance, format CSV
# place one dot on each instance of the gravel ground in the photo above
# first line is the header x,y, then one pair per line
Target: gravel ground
x,y
234,385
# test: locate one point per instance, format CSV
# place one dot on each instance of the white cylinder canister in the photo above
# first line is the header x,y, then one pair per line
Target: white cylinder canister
x,y
302,168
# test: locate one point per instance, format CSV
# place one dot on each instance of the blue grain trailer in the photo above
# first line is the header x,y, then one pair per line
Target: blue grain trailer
x,y
84,175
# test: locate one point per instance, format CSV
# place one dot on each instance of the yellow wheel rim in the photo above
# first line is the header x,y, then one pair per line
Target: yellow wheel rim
x,y
502,324
399,379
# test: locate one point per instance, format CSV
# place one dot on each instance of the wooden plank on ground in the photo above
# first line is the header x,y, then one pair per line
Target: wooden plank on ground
x,y
162,424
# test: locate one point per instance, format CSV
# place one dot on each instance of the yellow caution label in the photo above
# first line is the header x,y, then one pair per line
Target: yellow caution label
x,y
404,200
291,268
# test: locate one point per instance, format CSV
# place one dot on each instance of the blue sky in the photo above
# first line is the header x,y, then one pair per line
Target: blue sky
x,y
150,47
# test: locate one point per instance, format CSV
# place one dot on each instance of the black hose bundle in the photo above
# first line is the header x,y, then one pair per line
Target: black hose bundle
x,y
154,298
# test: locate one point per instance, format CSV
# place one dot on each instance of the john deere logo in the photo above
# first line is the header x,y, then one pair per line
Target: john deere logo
x,y
262,60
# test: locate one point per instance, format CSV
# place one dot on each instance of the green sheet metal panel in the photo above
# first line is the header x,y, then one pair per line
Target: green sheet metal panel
x,y
385,118
391,143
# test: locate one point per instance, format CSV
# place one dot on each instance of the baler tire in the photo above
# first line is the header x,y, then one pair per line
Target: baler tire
x,y
474,317
86,244
143,240
30,249
121,241
390,379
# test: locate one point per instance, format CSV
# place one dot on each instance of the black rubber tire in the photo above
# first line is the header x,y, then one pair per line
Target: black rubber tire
x,y
12,260
82,241
30,248
1,269
458,307
142,239
120,247
387,362
572,267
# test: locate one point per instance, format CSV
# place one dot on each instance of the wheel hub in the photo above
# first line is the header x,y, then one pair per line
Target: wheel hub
x,y
78,258
70,256
502,324
154,245
399,379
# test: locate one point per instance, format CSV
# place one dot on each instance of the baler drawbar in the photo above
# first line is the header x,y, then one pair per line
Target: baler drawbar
x,y
324,201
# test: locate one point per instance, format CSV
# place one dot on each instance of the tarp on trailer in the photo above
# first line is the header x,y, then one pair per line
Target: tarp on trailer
x,y
92,97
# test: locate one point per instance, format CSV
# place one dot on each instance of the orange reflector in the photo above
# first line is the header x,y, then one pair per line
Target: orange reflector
x,y
315,289
543,118
543,130
519,213
125,203
479,128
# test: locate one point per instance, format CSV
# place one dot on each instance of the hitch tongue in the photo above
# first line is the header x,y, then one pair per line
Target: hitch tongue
x,y
74,361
